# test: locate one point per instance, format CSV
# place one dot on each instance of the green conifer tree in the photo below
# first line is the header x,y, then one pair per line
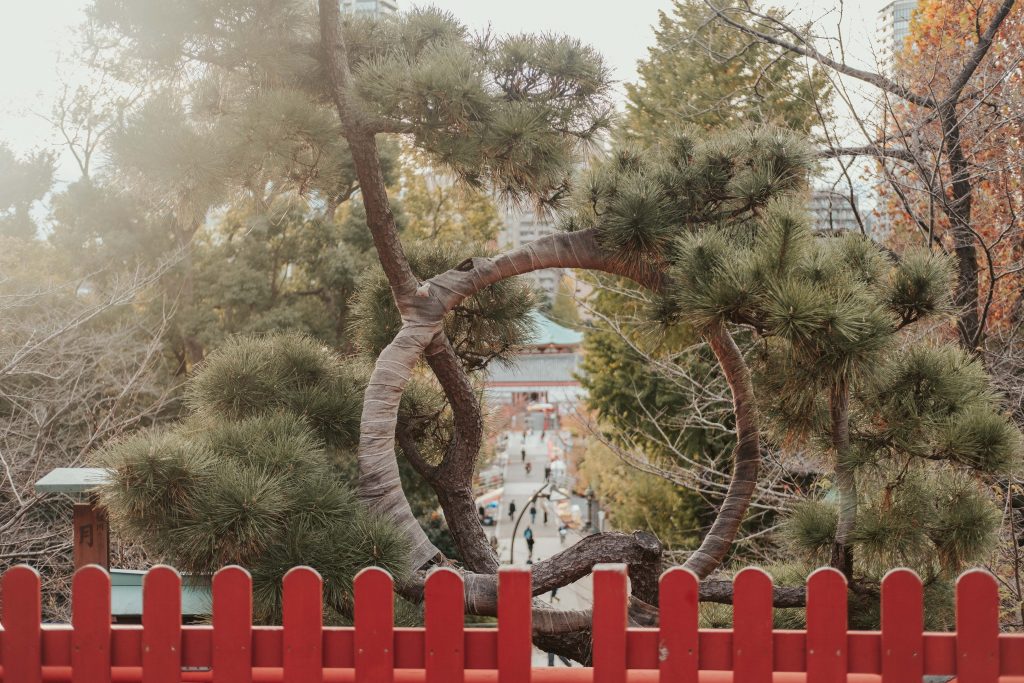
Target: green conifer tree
x,y
258,474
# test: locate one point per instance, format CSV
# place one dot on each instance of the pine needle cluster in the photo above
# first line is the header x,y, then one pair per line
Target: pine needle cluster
x,y
251,477
509,112
640,200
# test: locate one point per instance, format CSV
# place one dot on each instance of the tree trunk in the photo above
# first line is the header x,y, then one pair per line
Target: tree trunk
x,y
846,479
746,457
958,209
380,486
452,479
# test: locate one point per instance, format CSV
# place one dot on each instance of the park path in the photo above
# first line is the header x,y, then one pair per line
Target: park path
x,y
519,487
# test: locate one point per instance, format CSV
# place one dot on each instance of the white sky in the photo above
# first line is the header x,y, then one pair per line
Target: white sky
x,y
33,36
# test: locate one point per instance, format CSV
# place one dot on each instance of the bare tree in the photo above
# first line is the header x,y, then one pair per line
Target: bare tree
x,y
77,368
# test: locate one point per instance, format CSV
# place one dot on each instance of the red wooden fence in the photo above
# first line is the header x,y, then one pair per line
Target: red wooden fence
x,y
302,650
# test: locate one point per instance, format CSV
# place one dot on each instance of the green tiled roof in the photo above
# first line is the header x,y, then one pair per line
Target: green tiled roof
x,y
547,331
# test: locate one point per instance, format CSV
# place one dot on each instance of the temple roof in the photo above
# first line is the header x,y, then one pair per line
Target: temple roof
x,y
548,332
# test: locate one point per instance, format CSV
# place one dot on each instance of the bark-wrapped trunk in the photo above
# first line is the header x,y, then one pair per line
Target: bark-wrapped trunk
x,y
746,456
380,485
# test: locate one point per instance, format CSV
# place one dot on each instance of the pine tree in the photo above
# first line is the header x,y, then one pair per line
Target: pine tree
x,y
257,475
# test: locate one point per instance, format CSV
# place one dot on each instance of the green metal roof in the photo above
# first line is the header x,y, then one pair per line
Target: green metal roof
x,y
72,480
547,331
126,594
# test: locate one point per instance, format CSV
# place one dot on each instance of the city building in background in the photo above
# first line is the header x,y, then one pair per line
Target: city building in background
x,y
893,27
369,6
544,371
833,211
523,225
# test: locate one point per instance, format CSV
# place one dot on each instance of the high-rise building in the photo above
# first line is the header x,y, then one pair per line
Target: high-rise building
x,y
833,211
893,27
369,6
524,225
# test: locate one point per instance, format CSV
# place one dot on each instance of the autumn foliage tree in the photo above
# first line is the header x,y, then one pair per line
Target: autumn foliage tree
x,y
987,122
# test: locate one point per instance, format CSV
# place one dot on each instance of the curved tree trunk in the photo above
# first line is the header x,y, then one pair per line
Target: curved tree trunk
x,y
746,457
452,480
380,485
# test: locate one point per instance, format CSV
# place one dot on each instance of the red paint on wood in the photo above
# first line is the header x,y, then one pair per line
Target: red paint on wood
x,y
514,625
161,625
752,626
609,623
21,653
302,623
678,651
444,640
232,626
902,627
90,623
826,627
977,627
301,649
375,626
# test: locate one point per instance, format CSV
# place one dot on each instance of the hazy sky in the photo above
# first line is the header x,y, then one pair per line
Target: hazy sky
x,y
33,36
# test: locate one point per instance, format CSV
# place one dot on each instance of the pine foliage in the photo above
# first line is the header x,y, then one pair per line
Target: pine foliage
x,y
725,216
252,477
509,112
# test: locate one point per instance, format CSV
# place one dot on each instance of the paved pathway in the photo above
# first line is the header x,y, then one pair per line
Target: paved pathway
x,y
519,487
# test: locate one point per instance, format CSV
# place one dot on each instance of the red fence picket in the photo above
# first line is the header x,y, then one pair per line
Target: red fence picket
x,y
232,626
161,625
609,623
514,625
90,623
826,627
22,620
752,626
902,627
443,621
375,627
374,651
977,627
678,642
302,624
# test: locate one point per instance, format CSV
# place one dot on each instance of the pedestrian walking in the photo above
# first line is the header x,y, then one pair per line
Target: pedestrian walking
x,y
523,452
528,535
554,595
547,472
562,532
529,467
533,514
511,509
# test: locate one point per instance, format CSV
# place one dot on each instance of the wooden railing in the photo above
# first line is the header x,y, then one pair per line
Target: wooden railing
x,y
302,650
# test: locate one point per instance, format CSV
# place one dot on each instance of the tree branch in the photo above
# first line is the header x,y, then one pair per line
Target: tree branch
x,y
807,50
